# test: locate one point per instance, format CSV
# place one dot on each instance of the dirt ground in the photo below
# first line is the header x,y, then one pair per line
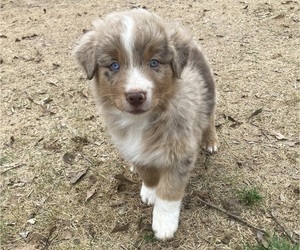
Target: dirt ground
x,y
64,186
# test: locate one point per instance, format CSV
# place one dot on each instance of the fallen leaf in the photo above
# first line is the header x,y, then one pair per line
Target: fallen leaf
x,y
18,184
292,143
251,140
46,101
278,136
280,16
76,176
282,197
32,221
116,203
229,118
90,118
24,234
122,178
121,187
203,195
29,37
120,228
69,157
256,112
288,2
90,193
144,226
92,180
231,205
296,190
226,239
275,56
56,65
297,232
76,241
262,239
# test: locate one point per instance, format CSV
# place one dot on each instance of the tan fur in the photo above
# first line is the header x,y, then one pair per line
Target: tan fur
x,y
163,142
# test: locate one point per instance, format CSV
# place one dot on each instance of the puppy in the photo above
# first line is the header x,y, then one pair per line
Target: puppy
x,y
157,96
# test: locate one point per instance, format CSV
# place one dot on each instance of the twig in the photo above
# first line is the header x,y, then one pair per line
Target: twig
x,y
16,166
232,216
87,159
282,227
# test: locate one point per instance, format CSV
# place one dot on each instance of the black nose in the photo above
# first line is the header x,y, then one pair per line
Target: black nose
x,y
135,98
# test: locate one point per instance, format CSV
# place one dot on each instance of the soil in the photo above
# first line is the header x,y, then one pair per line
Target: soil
x,y
64,185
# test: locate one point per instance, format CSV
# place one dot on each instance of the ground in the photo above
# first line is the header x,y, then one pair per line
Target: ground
x,y
64,186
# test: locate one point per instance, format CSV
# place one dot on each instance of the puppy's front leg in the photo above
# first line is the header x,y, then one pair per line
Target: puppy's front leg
x,y
166,210
150,177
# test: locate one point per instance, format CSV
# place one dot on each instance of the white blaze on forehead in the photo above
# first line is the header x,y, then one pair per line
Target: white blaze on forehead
x,y
127,36
137,81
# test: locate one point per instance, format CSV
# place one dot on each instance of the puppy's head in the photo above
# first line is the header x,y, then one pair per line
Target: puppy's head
x,y
135,58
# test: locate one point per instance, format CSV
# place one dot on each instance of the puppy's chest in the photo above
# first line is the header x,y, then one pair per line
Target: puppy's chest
x,y
131,143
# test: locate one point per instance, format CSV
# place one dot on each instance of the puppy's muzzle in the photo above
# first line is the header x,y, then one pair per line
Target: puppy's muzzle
x,y
135,98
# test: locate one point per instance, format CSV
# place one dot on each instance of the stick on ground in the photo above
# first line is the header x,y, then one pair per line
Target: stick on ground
x,y
232,216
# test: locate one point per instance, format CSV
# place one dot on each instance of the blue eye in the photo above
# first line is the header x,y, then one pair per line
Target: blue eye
x,y
154,63
114,66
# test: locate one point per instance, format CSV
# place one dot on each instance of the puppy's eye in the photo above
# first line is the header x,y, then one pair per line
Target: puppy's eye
x,y
154,63
114,66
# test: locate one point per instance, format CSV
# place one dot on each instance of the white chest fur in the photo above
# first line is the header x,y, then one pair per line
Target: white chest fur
x,y
130,139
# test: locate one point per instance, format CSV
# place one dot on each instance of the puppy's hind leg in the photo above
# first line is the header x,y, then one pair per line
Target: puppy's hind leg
x,y
209,138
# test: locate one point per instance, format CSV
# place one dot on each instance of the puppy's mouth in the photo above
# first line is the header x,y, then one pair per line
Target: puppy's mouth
x,y
137,111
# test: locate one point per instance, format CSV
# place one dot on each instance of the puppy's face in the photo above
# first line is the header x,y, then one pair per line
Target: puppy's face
x,y
133,59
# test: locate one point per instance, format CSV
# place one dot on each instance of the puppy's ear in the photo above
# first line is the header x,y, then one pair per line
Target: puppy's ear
x,y
86,53
180,58
181,42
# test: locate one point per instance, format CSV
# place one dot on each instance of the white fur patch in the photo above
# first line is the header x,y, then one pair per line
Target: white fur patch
x,y
137,81
132,145
148,195
127,37
132,169
165,218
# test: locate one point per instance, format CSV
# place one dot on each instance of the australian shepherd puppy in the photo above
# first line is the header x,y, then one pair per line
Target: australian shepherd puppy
x,y
157,95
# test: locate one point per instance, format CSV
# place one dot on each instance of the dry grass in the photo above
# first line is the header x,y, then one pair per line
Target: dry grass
x,y
46,107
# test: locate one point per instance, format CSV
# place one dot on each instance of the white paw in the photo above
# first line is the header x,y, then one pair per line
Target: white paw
x,y
165,218
148,195
132,169
212,149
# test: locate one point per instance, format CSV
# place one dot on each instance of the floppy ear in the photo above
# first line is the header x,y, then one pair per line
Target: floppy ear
x,y
180,41
180,59
86,53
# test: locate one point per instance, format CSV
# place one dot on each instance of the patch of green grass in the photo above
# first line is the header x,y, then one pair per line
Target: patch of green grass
x,y
275,243
249,196
149,237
